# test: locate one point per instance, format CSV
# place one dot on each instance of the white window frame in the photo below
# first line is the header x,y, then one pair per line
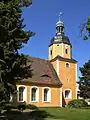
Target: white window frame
x,y
37,94
70,93
24,93
48,96
68,64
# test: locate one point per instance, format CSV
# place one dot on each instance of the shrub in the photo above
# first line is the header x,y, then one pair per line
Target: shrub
x,y
8,107
32,107
16,104
21,107
77,103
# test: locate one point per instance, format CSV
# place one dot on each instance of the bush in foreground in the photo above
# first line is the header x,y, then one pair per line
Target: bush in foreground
x,y
7,107
77,103
21,107
32,107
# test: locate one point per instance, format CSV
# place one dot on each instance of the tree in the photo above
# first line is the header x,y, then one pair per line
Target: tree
x,y
13,66
85,29
84,83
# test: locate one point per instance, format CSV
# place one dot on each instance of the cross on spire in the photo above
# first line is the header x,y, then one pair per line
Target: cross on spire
x,y
59,15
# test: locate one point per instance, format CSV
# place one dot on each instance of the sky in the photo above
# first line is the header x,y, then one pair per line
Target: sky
x,y
41,18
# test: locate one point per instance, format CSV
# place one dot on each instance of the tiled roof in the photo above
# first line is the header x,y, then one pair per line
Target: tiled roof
x,y
43,73
64,59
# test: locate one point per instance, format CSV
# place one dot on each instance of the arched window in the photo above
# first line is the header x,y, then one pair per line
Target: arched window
x,y
67,65
21,90
21,93
46,94
68,94
66,51
58,29
50,52
34,94
62,29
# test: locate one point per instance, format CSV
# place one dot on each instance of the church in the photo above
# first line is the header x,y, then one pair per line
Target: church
x,y
53,83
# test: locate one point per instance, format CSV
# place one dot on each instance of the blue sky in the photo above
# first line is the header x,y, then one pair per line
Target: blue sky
x,y
41,18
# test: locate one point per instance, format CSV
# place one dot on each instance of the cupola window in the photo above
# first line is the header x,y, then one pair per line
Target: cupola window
x,y
66,51
62,29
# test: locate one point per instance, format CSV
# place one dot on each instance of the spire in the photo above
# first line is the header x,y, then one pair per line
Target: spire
x,y
59,15
59,25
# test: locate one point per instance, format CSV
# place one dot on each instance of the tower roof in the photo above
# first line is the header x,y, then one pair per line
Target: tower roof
x,y
59,23
60,37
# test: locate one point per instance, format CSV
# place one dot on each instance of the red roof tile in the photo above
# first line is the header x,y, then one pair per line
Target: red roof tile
x,y
43,73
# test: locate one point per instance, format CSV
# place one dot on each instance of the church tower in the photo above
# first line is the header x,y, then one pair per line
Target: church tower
x,y
60,44
60,56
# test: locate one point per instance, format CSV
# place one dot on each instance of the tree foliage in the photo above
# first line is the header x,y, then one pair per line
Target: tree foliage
x,y
84,83
85,29
13,66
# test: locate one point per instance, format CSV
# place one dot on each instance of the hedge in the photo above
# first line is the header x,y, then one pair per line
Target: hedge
x,y
77,103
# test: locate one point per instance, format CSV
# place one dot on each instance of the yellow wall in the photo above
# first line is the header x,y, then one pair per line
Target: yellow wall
x,y
59,49
55,97
56,50
69,51
67,77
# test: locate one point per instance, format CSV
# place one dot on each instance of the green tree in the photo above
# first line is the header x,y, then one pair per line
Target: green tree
x,y
84,83
85,29
13,66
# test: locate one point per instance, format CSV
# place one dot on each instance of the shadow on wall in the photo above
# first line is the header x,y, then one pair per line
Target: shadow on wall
x,y
63,101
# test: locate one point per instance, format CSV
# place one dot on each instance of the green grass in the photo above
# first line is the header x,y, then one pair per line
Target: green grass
x,y
67,113
51,114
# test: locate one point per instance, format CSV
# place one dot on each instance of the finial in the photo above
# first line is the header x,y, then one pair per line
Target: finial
x,y
60,15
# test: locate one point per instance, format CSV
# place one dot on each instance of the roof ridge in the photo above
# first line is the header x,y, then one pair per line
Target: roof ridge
x,y
38,58
62,58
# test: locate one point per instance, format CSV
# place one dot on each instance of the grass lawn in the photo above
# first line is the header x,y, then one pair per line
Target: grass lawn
x,y
67,113
51,114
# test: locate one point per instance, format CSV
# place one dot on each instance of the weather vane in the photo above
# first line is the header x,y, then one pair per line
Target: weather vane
x,y
60,15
